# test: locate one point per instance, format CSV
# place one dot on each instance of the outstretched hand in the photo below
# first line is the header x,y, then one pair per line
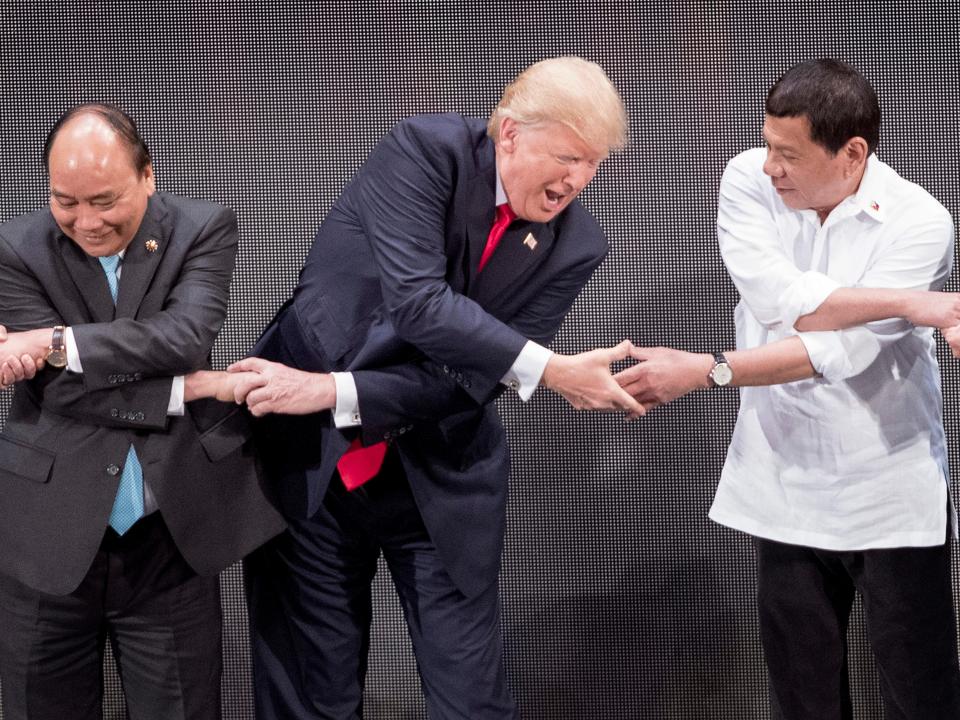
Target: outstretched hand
x,y
586,382
663,375
270,387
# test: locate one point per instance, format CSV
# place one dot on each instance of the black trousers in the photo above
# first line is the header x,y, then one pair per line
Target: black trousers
x,y
162,619
310,611
805,597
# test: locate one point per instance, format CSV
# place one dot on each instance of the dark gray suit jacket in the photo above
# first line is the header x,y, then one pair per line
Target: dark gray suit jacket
x,y
67,433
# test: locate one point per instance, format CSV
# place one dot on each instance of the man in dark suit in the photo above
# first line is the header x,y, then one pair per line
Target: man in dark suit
x,y
123,494
435,281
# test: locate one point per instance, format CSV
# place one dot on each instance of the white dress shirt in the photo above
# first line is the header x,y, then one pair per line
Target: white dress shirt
x,y
523,376
856,458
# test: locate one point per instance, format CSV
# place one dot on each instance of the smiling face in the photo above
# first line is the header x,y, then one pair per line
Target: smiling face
x,y
543,167
97,196
806,175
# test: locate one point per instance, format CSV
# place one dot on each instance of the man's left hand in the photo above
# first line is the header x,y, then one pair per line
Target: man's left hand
x,y
282,389
664,374
21,355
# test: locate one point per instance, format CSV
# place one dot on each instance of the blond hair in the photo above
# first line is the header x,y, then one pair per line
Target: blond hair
x,y
568,90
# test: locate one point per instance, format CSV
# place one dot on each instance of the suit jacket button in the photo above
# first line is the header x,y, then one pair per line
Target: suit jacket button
x,y
114,412
138,376
112,379
446,369
113,469
139,416
466,383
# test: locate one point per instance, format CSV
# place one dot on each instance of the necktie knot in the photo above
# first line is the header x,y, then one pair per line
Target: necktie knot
x,y
501,221
110,264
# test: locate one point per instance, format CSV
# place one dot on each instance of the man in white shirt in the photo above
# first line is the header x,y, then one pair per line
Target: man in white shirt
x,y
838,463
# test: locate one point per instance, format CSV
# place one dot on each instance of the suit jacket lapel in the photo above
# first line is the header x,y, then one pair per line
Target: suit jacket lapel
x,y
513,259
142,259
88,278
479,219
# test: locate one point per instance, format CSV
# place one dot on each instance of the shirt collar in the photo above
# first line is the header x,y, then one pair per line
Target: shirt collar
x,y
501,193
871,196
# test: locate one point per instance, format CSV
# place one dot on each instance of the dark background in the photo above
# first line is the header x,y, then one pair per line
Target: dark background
x,y
620,598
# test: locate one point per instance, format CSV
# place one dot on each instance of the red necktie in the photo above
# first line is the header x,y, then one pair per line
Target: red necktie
x,y
359,464
501,222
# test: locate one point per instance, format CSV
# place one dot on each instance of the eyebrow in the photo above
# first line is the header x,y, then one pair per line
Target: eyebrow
x,y
95,198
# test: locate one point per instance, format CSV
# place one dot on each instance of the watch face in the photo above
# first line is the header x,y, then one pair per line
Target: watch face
x,y
56,358
721,374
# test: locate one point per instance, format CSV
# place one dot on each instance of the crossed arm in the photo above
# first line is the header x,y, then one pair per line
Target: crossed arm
x,y
173,341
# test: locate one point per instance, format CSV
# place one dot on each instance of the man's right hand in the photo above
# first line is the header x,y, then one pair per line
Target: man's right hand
x,y
933,309
586,382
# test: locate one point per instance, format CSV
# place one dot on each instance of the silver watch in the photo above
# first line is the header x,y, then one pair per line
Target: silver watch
x,y
721,374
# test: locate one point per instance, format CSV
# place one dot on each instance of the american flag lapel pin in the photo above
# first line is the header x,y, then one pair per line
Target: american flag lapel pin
x,y
530,241
875,205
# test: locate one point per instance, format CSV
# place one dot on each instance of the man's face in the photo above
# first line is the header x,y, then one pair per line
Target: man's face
x,y
544,167
97,196
805,174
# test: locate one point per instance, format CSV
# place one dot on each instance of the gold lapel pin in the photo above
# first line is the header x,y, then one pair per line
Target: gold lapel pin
x,y
530,241
152,245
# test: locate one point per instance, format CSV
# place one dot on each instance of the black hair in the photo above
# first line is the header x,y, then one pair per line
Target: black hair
x,y
836,99
121,123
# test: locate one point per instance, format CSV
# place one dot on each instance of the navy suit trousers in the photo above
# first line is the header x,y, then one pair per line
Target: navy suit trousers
x,y
310,611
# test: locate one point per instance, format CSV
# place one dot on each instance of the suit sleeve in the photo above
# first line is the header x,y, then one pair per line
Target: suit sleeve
x,y
402,195
124,352
178,339
402,396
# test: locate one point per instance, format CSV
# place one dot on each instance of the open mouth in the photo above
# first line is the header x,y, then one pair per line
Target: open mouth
x,y
554,199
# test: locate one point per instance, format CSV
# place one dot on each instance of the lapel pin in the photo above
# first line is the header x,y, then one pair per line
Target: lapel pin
x,y
152,245
875,205
530,241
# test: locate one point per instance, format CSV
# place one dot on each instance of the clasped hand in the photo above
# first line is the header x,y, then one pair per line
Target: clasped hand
x,y
21,356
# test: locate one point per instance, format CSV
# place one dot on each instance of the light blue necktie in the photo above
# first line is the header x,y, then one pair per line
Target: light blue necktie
x,y
128,505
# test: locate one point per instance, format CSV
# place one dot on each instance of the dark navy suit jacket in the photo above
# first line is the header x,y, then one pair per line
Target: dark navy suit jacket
x,y
390,292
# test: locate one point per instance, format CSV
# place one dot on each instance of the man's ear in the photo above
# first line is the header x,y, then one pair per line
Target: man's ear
x,y
150,179
855,152
509,130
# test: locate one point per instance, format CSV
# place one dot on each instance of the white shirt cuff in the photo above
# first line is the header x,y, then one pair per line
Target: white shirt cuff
x,y
176,397
525,373
346,413
73,356
804,295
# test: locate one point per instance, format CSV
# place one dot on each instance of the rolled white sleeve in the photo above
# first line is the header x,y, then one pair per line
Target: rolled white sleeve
x,y
174,406
841,354
525,373
346,412
804,295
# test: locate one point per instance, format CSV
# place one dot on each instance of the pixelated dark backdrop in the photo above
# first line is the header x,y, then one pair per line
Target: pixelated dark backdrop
x,y
620,598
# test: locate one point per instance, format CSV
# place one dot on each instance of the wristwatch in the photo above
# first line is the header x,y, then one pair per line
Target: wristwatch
x,y
57,352
721,374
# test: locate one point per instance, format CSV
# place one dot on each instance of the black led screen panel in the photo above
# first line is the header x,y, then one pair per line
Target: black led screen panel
x,y
620,598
